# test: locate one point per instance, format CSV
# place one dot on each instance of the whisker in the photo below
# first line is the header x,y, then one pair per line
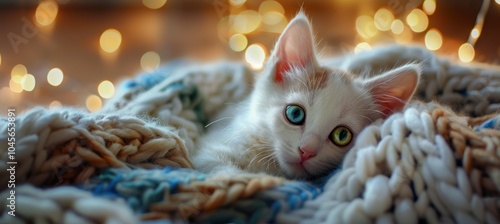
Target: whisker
x,y
213,122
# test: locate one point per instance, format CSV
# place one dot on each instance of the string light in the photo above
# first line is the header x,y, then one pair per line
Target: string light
x,y
429,6
363,46
476,31
106,89
110,40
255,55
55,77
28,82
417,20
383,19
93,103
150,61
433,39
46,12
154,4
466,52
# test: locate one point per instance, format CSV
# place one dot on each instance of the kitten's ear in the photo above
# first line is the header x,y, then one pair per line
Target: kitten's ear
x,y
295,47
393,89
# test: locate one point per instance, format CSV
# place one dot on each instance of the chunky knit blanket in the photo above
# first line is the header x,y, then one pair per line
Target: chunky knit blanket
x,y
438,161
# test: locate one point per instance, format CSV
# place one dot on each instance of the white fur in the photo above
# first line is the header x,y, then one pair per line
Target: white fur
x,y
255,136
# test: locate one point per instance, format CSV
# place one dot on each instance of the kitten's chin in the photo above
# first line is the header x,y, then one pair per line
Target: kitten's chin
x,y
292,166
294,170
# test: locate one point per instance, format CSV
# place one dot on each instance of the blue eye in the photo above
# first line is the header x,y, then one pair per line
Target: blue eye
x,y
295,114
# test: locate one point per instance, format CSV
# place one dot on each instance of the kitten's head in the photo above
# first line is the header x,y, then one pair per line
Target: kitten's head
x,y
313,112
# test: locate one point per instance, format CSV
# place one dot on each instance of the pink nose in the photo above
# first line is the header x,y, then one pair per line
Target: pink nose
x,y
306,154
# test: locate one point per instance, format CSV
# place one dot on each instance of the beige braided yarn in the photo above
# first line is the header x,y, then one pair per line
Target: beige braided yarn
x,y
198,197
68,146
65,205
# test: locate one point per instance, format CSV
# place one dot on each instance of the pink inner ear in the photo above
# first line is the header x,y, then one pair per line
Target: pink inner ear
x,y
392,90
294,48
285,64
281,68
388,104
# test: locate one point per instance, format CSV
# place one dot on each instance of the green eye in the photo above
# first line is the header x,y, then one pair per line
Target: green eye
x,y
295,114
341,136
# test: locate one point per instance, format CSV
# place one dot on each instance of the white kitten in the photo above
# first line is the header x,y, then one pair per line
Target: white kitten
x,y
302,117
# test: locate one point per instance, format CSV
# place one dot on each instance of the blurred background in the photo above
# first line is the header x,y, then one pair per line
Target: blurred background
x,y
76,52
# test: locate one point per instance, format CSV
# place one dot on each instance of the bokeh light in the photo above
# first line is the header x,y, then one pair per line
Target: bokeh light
x,y
417,20
497,1
106,89
17,73
238,42
237,2
46,12
383,19
0,59
271,6
365,27
150,61
55,77
110,40
272,18
15,86
397,26
28,82
246,22
93,103
154,4
272,12
466,52
475,33
433,39
363,46
55,104
429,6
255,55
